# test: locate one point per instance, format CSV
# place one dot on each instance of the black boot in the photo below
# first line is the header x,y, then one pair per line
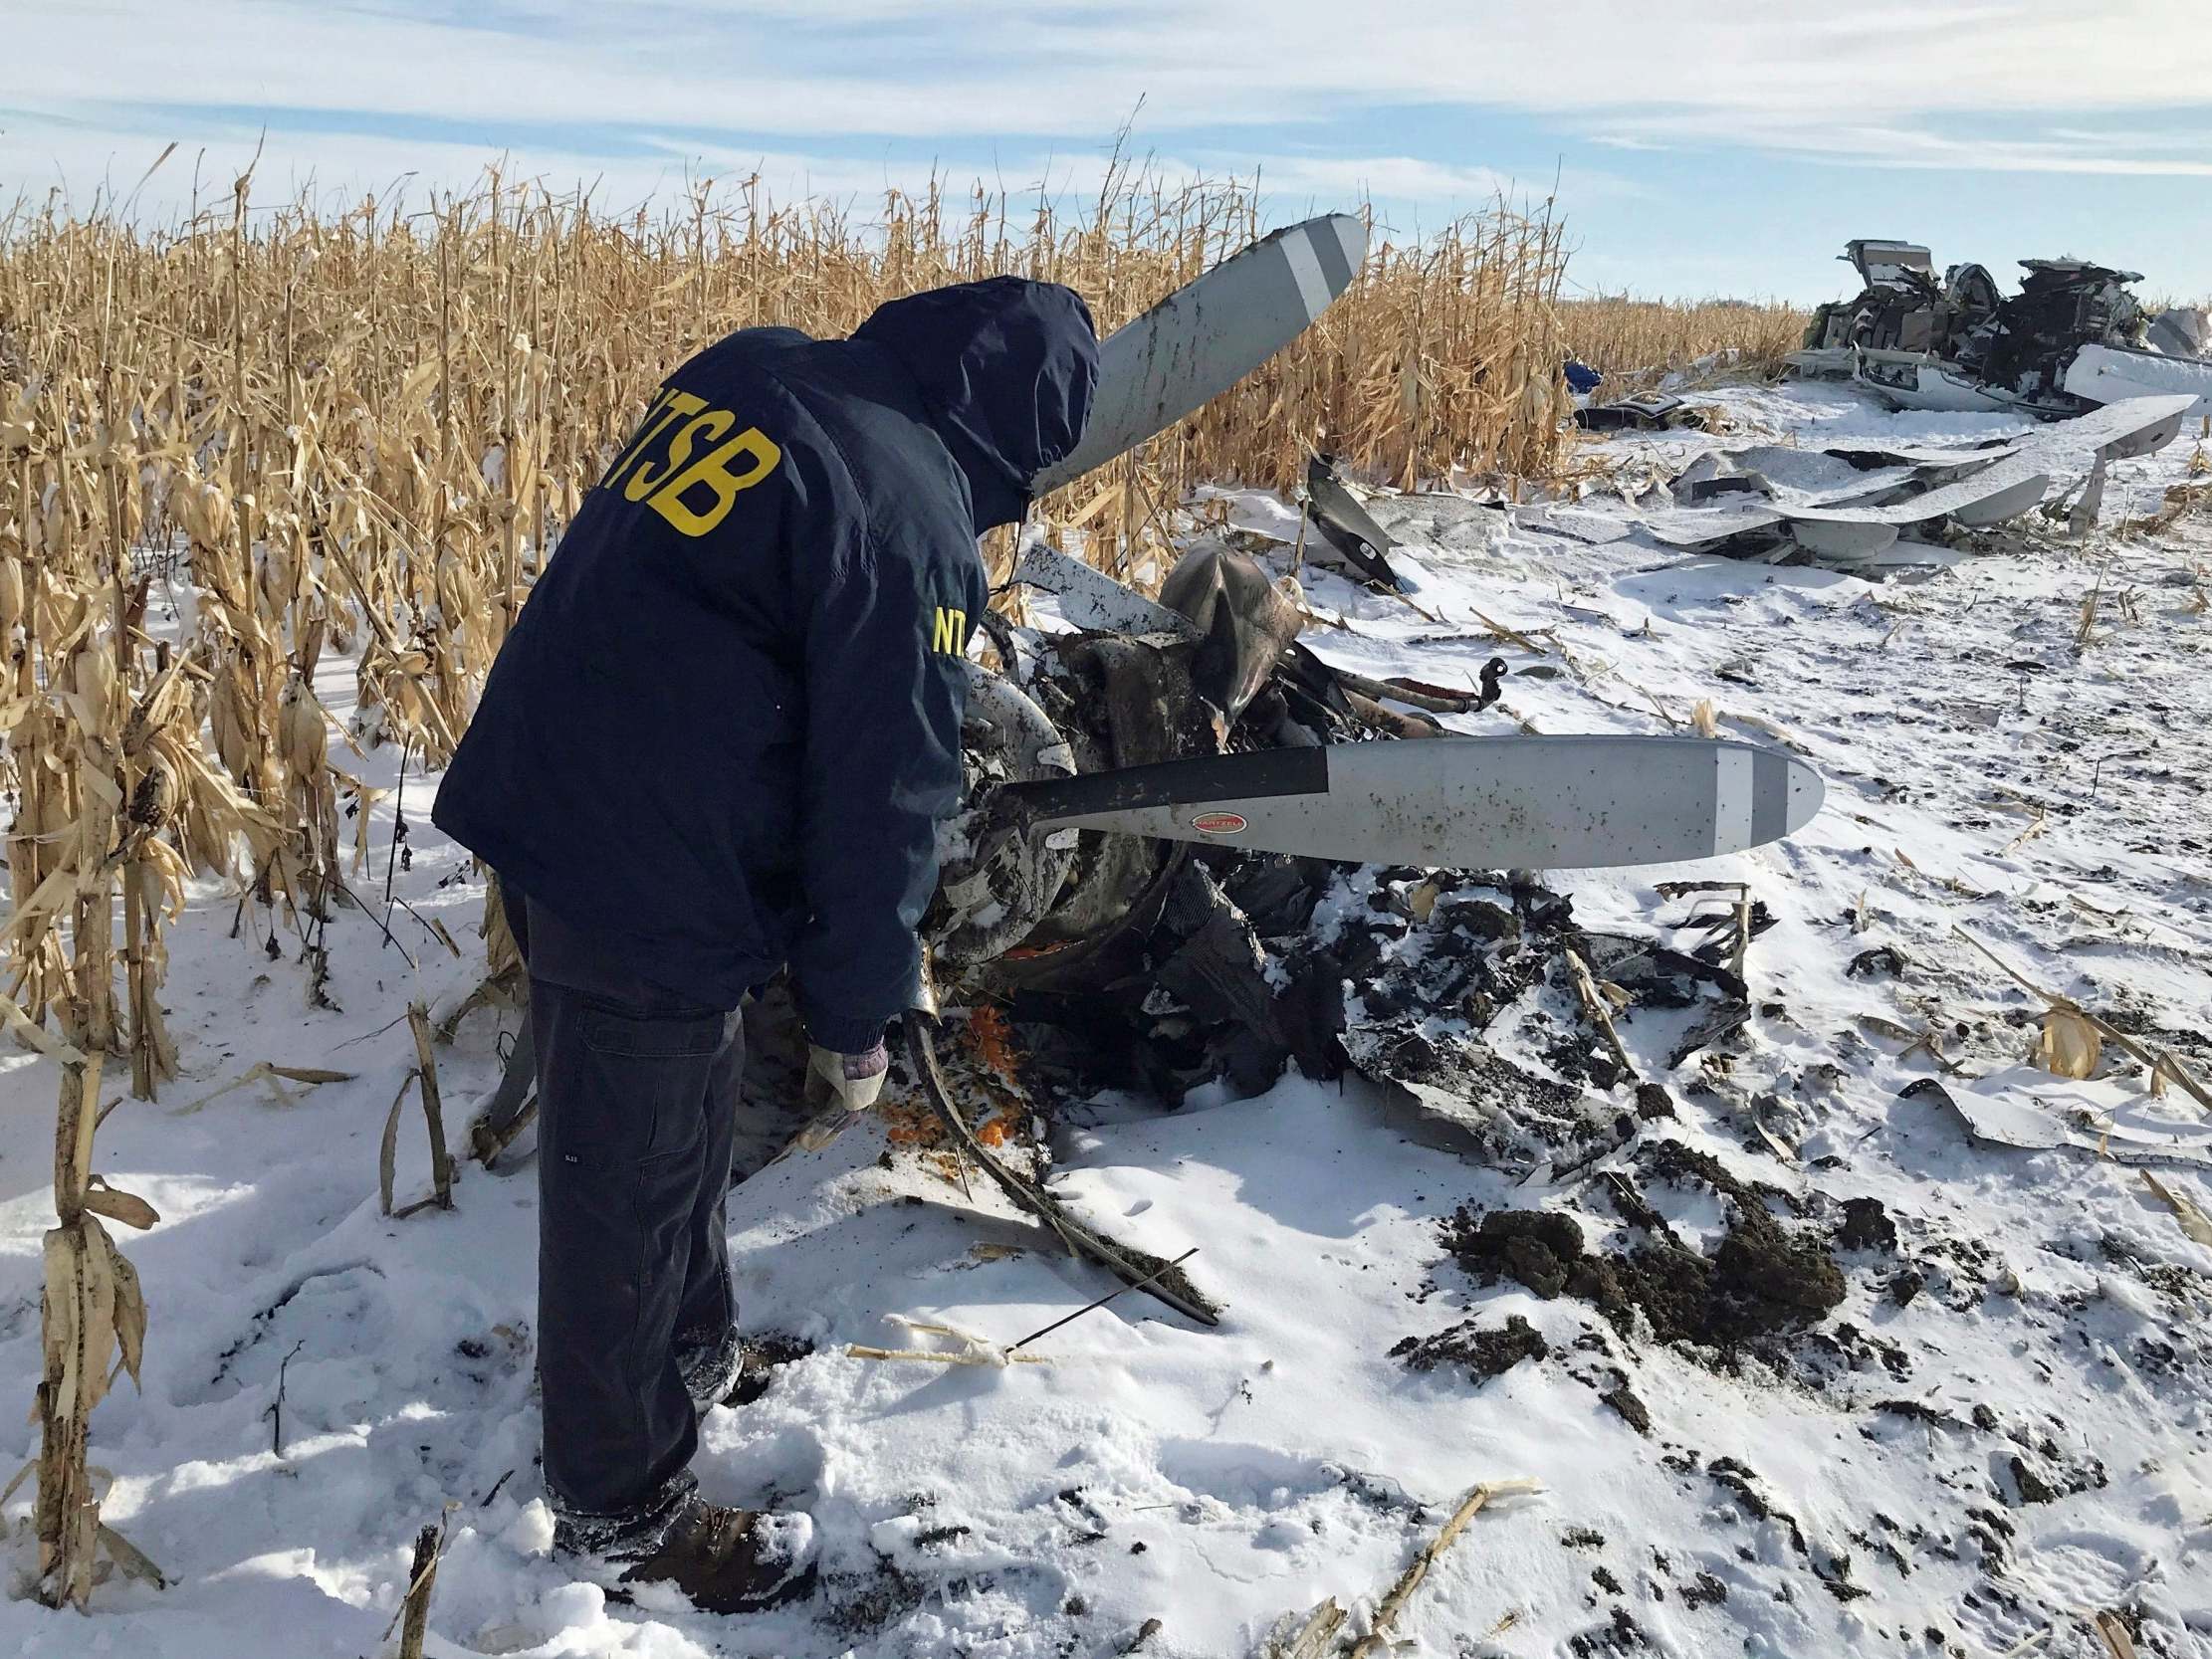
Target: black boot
x,y
730,1560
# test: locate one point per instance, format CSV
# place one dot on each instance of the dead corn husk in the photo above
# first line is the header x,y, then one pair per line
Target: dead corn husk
x,y
2069,1045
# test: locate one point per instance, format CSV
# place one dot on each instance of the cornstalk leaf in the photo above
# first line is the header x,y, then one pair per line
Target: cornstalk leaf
x,y
97,1337
37,1035
311,1073
126,1207
2194,1222
387,1153
130,1558
131,1317
63,1253
49,896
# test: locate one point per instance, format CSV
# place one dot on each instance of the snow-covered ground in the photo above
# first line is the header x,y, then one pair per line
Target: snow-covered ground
x,y
1978,1468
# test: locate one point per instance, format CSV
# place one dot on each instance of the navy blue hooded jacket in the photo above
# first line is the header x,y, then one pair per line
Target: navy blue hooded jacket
x,y
721,730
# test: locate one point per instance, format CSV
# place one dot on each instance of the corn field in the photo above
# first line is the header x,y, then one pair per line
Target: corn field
x,y
347,441
1632,342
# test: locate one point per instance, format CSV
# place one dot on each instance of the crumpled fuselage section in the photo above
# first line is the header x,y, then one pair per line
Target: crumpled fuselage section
x,y
1961,344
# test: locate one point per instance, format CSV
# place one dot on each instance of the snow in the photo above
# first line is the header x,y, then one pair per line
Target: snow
x,y
1219,1480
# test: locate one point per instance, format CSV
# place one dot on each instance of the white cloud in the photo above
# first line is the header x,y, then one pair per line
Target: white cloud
x,y
336,168
1407,178
1859,142
576,90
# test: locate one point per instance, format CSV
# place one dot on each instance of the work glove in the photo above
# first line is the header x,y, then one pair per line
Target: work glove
x,y
840,1090
850,1082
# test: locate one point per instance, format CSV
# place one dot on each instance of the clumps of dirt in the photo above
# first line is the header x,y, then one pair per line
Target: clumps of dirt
x,y
863,1603
1738,1479
1540,1249
1884,961
1672,1163
766,1353
1376,1493
1867,1226
1484,1353
1620,1634
2031,1487
1742,1483
1629,1409
1762,1278
1704,1591
1853,1349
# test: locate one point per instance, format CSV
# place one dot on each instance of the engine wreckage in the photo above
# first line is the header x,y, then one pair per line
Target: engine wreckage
x,y
2074,337
1157,966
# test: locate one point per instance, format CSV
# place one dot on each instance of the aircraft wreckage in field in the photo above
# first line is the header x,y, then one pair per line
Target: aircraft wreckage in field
x,y
2074,337
1851,504
1164,797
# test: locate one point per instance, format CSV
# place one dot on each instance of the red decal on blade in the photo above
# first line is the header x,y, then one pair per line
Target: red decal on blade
x,y
1217,823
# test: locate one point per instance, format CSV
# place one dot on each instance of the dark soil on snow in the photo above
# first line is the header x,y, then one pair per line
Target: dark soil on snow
x,y
766,1353
1484,1353
1867,1226
1760,1279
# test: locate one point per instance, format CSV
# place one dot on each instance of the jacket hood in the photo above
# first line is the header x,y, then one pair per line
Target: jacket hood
x,y
1007,369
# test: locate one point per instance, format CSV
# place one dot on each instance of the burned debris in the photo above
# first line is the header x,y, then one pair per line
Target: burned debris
x,y
1645,412
1133,962
2074,337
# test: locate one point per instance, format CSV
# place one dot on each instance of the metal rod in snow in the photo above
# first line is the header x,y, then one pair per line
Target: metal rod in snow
x,y
1102,1301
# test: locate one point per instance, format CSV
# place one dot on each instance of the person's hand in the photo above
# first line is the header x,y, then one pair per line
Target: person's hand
x,y
840,1088
852,1081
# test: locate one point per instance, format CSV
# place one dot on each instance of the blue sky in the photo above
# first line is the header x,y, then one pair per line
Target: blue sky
x,y
1700,148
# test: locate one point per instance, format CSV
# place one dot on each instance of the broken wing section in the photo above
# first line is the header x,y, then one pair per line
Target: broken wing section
x,y
2107,374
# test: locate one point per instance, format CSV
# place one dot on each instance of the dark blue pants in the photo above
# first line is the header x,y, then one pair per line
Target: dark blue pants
x,y
637,1092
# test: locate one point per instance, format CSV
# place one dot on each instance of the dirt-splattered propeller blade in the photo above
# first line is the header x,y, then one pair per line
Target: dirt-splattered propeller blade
x,y
1486,803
